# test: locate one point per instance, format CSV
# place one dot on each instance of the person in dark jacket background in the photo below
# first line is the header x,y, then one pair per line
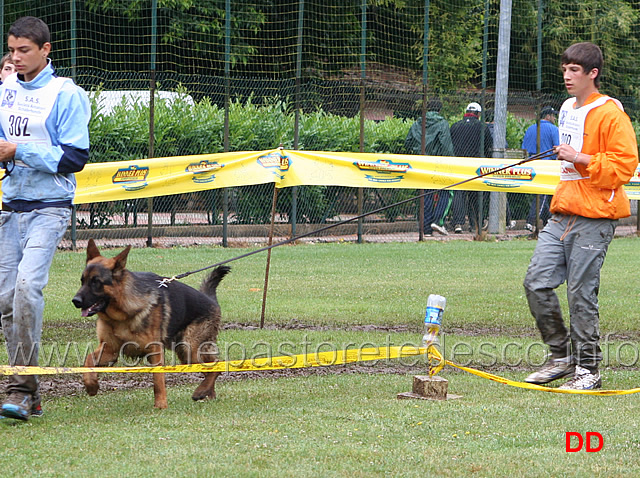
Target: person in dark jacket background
x,y
437,143
467,138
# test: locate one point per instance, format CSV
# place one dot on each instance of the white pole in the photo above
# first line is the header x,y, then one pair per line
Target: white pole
x,y
498,201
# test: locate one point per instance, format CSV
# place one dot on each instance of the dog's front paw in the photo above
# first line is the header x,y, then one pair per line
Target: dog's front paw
x,y
92,388
91,384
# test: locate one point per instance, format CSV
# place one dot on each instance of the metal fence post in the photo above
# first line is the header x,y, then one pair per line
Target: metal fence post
x,y
363,75
293,217
423,132
227,93
152,94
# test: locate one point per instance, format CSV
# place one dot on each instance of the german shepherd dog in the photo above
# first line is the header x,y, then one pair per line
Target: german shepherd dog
x,y
140,316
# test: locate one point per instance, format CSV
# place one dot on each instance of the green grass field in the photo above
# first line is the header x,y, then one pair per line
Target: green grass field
x,y
343,420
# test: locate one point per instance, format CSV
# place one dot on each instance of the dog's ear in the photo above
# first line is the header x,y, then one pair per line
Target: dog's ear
x,y
92,250
121,259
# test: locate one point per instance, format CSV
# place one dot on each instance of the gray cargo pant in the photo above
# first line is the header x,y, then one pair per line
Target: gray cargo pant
x,y
571,249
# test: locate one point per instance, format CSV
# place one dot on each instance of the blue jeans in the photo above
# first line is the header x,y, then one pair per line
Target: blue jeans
x,y
29,241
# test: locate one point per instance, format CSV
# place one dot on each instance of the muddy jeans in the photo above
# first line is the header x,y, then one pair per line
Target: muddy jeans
x,y
29,241
571,249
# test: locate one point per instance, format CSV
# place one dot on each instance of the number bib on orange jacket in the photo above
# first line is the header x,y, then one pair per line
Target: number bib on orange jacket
x,y
602,130
572,132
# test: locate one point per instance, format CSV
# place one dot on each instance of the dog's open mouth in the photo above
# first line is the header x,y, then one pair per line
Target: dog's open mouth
x,y
94,309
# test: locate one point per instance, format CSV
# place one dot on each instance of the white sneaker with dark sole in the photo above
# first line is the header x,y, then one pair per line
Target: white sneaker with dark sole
x,y
583,379
440,229
554,369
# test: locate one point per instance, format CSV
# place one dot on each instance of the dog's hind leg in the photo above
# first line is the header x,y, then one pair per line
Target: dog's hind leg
x,y
198,346
207,352
207,389
100,357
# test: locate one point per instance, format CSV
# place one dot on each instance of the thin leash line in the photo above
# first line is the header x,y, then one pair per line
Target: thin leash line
x,y
541,155
8,168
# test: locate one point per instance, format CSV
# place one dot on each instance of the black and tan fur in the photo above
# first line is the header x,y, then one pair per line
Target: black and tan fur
x,y
140,318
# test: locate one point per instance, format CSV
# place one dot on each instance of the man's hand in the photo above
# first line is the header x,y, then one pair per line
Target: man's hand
x,y
7,150
565,152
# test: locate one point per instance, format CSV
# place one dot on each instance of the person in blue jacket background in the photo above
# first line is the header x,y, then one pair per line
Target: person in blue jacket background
x,y
549,137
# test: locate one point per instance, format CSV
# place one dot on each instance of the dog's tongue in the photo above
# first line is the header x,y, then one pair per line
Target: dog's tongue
x,y
85,312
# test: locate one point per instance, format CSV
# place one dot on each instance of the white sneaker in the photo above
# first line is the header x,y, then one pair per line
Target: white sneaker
x,y
440,229
552,370
512,225
529,227
583,379
458,229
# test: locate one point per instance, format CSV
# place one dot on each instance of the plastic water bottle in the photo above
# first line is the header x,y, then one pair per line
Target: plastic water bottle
x,y
433,319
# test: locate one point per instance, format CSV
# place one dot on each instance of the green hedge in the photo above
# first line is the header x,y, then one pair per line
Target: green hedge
x,y
184,127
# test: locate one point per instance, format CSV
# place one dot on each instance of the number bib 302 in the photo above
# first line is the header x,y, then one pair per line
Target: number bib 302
x,y
23,112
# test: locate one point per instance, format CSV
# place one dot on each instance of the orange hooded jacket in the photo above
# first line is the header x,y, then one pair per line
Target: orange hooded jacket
x,y
611,141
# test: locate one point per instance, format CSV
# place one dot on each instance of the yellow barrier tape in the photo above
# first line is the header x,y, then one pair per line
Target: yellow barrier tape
x,y
123,180
142,178
434,353
320,359
420,172
530,386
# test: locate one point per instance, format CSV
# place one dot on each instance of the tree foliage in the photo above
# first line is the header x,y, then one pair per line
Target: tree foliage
x,y
263,40
612,24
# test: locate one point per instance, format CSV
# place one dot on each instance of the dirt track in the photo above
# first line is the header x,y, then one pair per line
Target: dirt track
x,y
71,384
52,386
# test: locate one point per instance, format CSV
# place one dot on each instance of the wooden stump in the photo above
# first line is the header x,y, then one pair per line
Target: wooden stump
x,y
427,387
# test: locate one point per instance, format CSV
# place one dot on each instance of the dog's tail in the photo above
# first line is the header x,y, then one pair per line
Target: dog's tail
x,y
210,284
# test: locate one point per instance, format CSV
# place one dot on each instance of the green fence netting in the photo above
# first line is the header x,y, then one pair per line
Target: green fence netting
x,y
348,75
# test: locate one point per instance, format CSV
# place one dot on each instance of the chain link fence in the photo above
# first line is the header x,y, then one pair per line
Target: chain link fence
x,y
328,76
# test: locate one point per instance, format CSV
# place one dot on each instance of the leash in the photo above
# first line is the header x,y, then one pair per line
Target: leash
x,y
542,155
8,168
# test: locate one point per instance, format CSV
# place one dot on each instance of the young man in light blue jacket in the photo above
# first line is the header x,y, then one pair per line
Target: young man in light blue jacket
x,y
44,139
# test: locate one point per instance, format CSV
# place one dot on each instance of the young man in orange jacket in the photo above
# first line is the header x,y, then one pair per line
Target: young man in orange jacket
x,y
599,155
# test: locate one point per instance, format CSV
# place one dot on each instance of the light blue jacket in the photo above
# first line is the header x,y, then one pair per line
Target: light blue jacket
x,y
48,179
